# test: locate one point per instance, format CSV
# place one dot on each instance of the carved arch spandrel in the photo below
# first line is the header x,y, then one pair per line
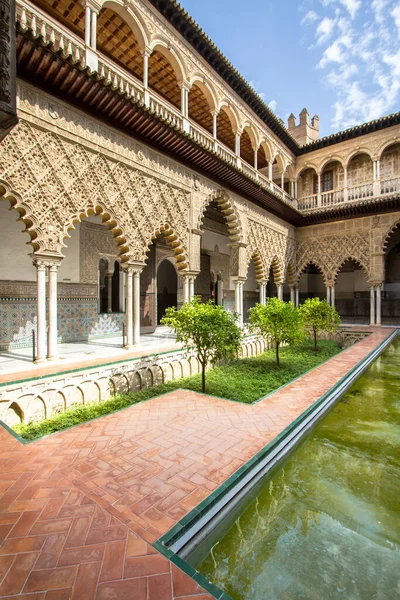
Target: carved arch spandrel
x,y
328,252
60,182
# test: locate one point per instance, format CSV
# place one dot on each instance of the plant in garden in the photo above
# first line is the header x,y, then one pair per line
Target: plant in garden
x,y
278,322
209,328
319,316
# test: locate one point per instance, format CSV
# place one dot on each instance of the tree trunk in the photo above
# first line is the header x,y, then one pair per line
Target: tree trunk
x,y
203,377
277,353
315,341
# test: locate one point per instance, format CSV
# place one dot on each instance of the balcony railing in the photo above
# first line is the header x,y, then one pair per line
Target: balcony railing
x,y
359,192
308,202
390,186
331,197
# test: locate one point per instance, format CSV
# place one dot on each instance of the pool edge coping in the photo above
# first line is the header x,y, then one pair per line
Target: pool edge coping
x,y
176,532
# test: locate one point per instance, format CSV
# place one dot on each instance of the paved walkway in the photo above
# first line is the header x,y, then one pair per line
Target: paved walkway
x,y
17,364
79,510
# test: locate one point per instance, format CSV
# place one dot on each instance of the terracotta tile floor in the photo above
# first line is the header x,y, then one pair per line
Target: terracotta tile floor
x,y
79,510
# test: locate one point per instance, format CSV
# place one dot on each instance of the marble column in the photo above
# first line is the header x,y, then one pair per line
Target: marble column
x,y
41,311
378,304
262,292
292,294
128,307
87,25
239,301
191,287
93,33
297,296
333,295
185,289
109,292
328,294
136,307
372,306
279,287
52,350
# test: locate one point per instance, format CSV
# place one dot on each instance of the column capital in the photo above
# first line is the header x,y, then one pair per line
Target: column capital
x,y
132,267
147,51
43,261
93,5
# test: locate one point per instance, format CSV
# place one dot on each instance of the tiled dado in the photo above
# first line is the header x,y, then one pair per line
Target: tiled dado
x,y
80,510
40,397
78,319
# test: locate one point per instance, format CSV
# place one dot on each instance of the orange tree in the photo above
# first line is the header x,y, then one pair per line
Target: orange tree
x,y
278,322
209,328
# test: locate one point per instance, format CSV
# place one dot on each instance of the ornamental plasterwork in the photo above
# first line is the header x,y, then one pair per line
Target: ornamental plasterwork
x,y
272,247
77,126
56,183
329,252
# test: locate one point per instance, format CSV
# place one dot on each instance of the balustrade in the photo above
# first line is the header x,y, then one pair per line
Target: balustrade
x,y
390,186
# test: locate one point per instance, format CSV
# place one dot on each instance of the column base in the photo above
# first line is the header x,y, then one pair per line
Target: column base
x,y
39,361
128,347
55,357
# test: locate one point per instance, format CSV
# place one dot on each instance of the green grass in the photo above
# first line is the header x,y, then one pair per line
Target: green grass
x,y
244,380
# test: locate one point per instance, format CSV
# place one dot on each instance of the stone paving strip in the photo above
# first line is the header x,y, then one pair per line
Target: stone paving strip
x,y
80,509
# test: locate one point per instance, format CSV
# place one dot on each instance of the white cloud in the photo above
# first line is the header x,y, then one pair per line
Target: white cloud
x,y
358,58
352,6
396,16
272,105
324,30
309,17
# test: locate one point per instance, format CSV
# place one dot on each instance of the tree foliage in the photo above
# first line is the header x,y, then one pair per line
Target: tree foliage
x,y
278,322
318,316
209,328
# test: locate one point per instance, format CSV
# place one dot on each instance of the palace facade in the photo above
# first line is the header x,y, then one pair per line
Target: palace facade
x,y
143,169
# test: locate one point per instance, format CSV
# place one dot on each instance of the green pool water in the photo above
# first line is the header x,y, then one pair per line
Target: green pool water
x,y
326,524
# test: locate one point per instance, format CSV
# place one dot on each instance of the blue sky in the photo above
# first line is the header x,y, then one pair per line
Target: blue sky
x,y
338,58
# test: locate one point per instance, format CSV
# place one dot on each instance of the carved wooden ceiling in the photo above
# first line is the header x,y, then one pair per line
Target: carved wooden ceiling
x,y
163,80
199,109
116,40
246,150
224,130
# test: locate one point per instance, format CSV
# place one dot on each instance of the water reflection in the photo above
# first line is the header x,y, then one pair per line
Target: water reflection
x,y
327,525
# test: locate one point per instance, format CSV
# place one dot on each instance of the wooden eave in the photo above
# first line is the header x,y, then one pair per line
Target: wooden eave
x,y
351,210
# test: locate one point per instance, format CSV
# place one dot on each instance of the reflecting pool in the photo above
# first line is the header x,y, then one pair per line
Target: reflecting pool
x,y
326,524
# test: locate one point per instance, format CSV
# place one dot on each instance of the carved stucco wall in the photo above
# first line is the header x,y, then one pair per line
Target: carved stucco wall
x,y
328,246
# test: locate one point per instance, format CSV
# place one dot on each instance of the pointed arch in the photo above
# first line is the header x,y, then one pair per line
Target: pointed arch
x,y
109,218
259,265
167,232
353,259
388,234
278,270
229,211
32,226
304,266
290,274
